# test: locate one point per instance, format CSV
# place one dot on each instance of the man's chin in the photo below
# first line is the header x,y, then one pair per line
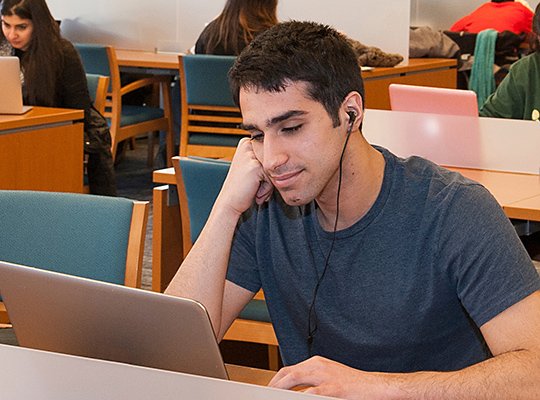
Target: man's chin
x,y
293,198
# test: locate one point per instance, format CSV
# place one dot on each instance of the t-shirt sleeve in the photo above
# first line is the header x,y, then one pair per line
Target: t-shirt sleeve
x,y
243,265
489,265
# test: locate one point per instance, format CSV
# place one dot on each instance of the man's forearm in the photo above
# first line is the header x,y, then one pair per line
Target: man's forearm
x,y
513,375
202,274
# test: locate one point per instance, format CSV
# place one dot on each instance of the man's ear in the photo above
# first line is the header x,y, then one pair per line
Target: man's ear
x,y
352,105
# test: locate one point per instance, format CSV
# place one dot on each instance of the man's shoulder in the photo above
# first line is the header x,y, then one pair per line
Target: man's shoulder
x,y
525,64
423,180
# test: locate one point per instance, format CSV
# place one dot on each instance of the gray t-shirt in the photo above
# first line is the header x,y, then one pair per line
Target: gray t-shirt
x,y
407,286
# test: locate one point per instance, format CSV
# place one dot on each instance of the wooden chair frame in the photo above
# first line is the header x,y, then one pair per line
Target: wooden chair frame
x,y
242,330
193,120
101,94
134,255
114,107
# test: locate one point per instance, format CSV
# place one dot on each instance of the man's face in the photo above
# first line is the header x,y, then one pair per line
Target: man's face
x,y
294,140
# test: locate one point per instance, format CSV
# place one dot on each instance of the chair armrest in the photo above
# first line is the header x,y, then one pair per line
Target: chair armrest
x,y
130,87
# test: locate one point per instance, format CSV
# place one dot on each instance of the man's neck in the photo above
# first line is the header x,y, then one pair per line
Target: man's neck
x,y
362,176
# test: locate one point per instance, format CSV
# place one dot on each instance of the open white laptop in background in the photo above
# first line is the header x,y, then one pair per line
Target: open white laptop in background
x,y
83,317
11,100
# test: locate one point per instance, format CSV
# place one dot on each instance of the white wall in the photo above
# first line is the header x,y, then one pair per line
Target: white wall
x,y
380,23
439,14
174,25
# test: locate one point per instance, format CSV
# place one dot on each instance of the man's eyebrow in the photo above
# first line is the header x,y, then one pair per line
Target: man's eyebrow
x,y
280,118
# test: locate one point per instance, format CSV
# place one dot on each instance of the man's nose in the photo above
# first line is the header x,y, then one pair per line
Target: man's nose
x,y
275,153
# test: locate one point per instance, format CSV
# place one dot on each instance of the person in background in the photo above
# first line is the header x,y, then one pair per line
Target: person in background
x,y
226,35
239,22
518,95
52,75
385,277
501,15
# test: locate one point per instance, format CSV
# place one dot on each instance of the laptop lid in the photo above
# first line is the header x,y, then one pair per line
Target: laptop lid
x,y
423,99
72,315
11,101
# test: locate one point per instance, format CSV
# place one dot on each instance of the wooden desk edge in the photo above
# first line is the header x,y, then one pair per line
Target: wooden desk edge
x,y
39,116
414,65
254,376
147,59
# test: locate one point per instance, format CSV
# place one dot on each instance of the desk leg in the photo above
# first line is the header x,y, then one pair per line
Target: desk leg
x,y
166,240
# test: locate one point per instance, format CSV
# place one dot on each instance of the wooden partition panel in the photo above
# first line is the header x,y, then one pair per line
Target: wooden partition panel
x,y
37,156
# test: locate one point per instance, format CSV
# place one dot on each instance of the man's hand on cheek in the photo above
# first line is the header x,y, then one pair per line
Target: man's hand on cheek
x,y
246,180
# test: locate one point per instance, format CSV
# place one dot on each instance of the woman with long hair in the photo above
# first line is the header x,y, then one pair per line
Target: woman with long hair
x,y
239,22
518,95
52,75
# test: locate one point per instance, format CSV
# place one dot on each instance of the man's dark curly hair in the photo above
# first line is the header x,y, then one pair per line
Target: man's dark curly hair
x,y
300,52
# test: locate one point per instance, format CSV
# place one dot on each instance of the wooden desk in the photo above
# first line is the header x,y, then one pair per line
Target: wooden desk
x,y
39,374
509,189
436,72
254,376
527,209
42,150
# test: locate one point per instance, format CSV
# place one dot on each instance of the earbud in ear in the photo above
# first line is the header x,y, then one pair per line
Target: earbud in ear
x,y
352,116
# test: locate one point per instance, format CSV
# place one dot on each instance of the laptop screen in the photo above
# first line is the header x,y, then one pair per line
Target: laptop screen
x,y
83,317
11,101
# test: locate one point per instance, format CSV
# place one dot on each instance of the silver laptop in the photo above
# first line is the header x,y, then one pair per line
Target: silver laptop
x,y
11,100
83,317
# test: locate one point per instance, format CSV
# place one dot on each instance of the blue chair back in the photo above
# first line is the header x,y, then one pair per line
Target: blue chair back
x,y
92,80
206,79
70,233
94,58
203,179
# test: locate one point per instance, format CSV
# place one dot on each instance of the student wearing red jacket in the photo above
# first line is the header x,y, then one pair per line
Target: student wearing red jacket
x,y
501,15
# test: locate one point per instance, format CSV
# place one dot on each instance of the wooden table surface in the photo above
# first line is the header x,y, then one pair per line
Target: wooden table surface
x,y
147,59
39,116
414,65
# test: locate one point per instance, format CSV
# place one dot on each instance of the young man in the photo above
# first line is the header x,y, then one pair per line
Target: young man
x,y
375,269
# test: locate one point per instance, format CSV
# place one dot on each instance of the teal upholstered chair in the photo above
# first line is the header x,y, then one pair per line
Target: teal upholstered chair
x,y
95,237
127,121
210,118
199,181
